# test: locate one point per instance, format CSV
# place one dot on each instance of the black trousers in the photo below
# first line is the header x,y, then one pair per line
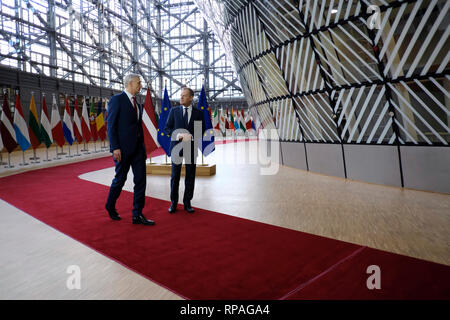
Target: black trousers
x,y
189,181
137,163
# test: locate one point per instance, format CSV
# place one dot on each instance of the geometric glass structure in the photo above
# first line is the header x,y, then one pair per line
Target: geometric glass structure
x,y
342,71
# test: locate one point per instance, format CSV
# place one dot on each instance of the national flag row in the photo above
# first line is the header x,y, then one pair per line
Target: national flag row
x,y
49,127
223,120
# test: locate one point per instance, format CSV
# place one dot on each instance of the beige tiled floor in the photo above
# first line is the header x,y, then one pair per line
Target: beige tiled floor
x,y
34,257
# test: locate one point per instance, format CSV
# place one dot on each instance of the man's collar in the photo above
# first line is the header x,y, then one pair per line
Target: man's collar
x,y
128,94
187,106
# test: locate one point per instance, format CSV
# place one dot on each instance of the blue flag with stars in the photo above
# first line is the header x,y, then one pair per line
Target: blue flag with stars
x,y
208,136
163,138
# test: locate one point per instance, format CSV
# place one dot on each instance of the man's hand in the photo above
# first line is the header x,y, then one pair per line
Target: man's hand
x,y
187,137
117,155
184,137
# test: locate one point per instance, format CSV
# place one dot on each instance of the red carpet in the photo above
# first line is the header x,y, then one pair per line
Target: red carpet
x,y
210,255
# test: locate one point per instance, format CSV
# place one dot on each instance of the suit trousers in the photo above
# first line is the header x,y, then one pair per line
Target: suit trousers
x,y
137,163
189,182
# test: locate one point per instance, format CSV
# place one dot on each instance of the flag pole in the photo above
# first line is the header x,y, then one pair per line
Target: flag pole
x,y
46,153
85,149
9,161
35,158
34,150
57,154
62,150
23,159
77,154
69,156
62,147
1,159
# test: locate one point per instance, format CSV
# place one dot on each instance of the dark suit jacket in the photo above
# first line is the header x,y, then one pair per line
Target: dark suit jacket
x,y
176,121
124,129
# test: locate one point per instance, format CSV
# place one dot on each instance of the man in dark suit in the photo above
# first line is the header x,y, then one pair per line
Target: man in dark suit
x,y
180,126
126,140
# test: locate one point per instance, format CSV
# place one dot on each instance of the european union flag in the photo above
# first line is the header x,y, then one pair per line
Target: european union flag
x,y
208,135
163,138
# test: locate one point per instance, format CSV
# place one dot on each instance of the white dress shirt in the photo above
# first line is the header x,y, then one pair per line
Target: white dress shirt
x,y
189,111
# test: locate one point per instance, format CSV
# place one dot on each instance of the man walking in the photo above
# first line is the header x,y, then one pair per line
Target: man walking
x,y
126,140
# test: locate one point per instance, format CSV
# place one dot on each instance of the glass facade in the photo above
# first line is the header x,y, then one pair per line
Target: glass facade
x,y
341,71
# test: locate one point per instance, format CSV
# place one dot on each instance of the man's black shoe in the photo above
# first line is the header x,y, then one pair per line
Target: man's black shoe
x,y
173,207
140,219
188,208
113,214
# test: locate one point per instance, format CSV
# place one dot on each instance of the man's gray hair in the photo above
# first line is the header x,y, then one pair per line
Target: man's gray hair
x,y
129,77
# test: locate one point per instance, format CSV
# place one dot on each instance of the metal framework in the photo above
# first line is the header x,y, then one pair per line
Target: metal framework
x,y
97,42
342,71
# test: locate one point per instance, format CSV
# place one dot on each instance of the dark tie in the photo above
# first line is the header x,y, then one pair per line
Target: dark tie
x,y
139,134
185,117
135,106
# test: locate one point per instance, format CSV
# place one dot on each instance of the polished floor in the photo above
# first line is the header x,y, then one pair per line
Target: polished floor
x,y
35,257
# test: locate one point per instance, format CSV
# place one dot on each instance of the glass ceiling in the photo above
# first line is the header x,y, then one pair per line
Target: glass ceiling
x,y
97,42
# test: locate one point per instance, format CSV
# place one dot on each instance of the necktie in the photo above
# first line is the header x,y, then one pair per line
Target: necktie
x,y
135,106
186,117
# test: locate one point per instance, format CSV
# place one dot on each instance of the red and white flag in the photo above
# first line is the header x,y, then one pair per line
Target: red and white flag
x,y
57,130
77,123
85,122
6,127
149,125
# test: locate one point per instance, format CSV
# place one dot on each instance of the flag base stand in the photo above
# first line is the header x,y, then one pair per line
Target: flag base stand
x,y
1,160
46,153
150,160
85,150
69,156
23,160
57,154
9,162
166,169
35,158
62,151
95,148
77,154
